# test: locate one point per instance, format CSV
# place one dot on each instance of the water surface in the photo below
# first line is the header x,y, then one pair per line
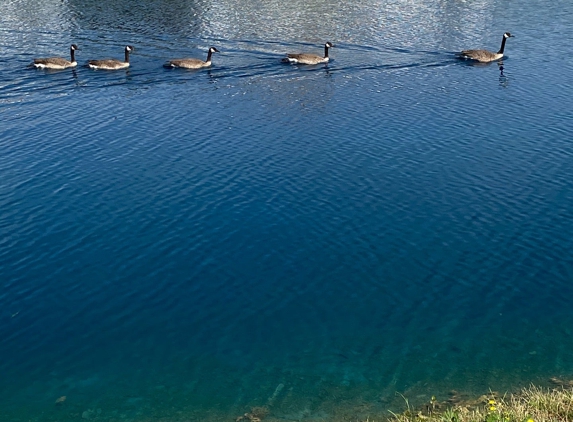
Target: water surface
x,y
181,245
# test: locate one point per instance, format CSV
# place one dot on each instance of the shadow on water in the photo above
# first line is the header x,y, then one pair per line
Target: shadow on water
x,y
55,73
181,75
503,79
106,78
474,63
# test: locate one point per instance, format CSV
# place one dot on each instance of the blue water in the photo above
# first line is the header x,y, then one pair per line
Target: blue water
x,y
184,245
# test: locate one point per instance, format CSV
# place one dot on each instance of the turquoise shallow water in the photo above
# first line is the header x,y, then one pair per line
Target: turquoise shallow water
x,y
183,245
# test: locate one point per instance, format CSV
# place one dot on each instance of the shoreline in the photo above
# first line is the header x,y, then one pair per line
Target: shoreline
x,y
545,401
529,404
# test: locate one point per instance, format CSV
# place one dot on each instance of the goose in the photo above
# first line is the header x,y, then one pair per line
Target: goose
x,y
193,63
485,56
112,64
307,58
57,63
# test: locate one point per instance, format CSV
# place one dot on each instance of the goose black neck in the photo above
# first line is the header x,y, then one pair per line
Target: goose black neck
x,y
209,54
126,55
502,45
73,55
325,51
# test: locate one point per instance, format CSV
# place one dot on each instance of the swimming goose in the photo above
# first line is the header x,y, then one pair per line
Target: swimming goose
x,y
307,58
485,56
193,63
57,63
112,64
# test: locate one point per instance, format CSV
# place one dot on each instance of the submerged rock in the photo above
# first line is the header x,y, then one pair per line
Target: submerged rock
x,y
88,414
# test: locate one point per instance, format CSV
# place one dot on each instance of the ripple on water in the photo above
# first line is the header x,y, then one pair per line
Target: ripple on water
x,y
394,221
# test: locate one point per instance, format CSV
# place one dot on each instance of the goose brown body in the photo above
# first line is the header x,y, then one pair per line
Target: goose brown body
x,y
308,58
112,64
193,63
57,63
485,56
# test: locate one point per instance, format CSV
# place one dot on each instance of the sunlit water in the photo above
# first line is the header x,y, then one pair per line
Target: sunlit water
x,y
185,245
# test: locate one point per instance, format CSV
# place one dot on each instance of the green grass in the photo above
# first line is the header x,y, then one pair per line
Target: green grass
x,y
532,404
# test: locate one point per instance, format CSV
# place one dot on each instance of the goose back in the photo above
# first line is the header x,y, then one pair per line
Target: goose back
x,y
308,58
193,63
57,63
486,56
112,64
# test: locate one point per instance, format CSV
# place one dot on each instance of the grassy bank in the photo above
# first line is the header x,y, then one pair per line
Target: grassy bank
x,y
532,404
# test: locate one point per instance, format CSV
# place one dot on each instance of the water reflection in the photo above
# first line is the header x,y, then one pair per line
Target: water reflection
x,y
36,16
392,28
399,22
72,71
181,74
184,18
503,79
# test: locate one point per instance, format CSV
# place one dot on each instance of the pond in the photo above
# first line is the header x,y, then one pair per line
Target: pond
x,y
184,245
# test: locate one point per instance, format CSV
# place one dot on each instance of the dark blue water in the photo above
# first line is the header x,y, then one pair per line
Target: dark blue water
x,y
184,245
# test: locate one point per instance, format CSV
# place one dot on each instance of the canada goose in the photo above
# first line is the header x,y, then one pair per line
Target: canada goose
x,y
112,64
57,63
307,58
485,56
193,63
